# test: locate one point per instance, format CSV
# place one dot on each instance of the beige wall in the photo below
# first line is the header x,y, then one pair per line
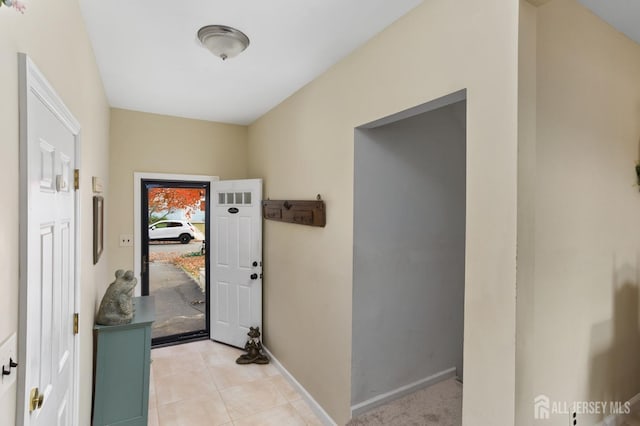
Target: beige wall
x,y
305,147
142,142
53,35
583,328
526,211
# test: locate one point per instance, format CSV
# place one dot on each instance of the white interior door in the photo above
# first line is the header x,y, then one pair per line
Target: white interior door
x,y
47,353
236,260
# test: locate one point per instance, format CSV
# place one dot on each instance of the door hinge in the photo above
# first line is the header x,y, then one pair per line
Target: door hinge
x,y
76,179
75,323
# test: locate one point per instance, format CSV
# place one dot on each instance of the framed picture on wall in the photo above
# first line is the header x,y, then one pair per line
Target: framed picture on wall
x,y
98,227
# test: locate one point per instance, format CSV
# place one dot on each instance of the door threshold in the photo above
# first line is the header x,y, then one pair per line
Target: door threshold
x,y
179,340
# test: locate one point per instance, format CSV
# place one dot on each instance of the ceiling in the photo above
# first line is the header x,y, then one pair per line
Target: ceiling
x,y
624,15
150,59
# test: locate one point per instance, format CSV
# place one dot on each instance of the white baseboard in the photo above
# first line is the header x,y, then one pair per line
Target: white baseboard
x,y
315,407
615,419
378,400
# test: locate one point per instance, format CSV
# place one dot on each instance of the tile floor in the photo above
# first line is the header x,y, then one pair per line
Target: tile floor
x,y
199,383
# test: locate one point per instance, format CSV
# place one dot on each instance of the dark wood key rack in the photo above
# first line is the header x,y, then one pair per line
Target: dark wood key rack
x,y
302,212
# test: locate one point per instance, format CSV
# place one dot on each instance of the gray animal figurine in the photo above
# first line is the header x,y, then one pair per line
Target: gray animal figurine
x,y
116,307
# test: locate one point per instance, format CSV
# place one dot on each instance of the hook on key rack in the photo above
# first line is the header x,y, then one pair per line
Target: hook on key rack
x,y
12,364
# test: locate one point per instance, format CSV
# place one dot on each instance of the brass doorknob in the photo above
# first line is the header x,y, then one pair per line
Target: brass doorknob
x,y
36,399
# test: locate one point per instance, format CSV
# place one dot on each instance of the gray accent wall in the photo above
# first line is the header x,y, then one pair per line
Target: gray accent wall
x,y
409,251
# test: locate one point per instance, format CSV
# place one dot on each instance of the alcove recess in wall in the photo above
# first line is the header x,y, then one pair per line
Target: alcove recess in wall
x,y
302,212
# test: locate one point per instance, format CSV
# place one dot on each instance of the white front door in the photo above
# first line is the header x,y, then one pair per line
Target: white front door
x,y
48,134
236,260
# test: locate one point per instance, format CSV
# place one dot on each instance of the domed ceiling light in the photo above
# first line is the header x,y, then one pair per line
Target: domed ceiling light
x,y
224,42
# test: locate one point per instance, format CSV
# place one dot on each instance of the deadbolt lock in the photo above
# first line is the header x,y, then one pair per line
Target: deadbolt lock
x,y
36,399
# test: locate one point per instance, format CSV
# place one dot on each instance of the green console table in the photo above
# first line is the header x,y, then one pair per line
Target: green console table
x,y
121,368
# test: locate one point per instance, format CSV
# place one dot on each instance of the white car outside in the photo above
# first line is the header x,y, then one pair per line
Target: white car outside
x,y
172,230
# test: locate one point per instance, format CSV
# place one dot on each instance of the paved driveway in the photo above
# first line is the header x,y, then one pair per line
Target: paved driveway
x,y
180,306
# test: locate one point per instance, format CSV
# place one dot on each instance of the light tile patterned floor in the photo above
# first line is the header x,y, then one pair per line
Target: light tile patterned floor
x,y
199,383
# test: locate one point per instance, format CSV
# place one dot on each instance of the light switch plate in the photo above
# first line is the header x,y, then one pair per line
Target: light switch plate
x,y
8,350
126,240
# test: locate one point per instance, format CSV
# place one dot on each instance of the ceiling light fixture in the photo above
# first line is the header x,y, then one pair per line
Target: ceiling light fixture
x,y
223,41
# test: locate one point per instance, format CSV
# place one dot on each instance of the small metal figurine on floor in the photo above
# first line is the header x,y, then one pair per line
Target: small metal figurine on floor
x,y
253,347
